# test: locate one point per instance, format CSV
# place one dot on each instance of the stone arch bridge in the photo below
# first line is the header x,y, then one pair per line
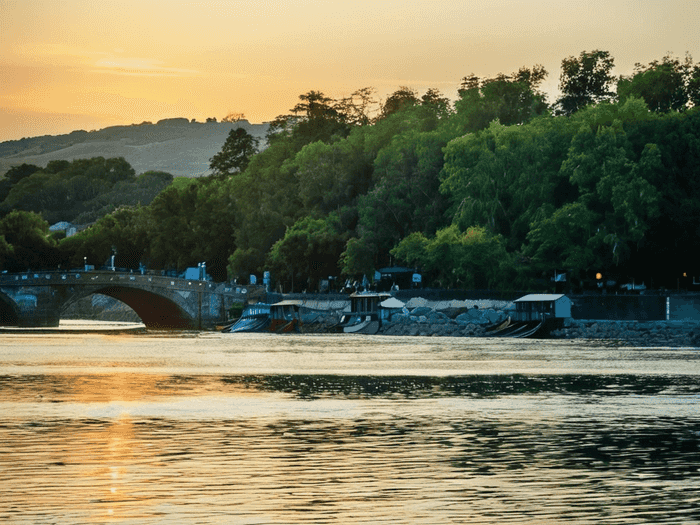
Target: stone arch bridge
x,y
36,299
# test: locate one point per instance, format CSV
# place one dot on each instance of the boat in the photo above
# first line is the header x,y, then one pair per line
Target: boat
x,y
518,329
285,317
535,316
365,316
255,318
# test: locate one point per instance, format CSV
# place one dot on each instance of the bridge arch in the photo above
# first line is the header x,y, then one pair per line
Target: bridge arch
x,y
154,310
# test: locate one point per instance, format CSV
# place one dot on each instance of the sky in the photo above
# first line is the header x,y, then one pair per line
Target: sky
x,y
88,64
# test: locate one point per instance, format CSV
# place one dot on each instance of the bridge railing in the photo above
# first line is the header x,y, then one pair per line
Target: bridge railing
x,y
94,277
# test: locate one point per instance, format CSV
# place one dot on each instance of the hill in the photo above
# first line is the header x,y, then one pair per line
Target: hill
x,y
177,146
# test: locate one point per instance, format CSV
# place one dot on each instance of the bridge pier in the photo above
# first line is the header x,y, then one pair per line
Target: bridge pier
x,y
36,306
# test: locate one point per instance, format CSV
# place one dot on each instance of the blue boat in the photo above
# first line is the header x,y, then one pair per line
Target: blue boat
x,y
255,318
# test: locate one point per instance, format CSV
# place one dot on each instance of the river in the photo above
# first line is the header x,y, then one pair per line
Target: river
x,y
210,428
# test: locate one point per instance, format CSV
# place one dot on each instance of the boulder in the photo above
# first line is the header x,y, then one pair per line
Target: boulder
x,y
421,311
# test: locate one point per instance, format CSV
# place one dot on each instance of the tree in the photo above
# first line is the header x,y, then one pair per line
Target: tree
x,y
122,233
358,258
27,243
192,224
584,80
331,176
17,173
665,86
308,252
239,148
316,117
83,188
406,195
474,259
512,99
13,176
618,201
233,117
399,100
569,239
358,107
316,105
504,176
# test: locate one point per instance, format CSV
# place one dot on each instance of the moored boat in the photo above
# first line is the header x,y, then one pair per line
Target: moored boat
x,y
255,318
365,313
285,317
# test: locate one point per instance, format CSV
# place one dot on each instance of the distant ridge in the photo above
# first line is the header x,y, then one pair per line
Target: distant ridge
x,y
177,145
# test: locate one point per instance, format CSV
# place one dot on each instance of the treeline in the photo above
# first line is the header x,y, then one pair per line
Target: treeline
x,y
80,191
500,189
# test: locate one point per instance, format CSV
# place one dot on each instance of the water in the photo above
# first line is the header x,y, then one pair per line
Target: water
x,y
212,428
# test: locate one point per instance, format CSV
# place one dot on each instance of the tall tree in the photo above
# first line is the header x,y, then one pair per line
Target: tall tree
x,y
239,148
359,106
586,79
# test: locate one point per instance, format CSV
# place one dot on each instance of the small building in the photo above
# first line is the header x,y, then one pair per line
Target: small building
x,y
535,307
66,227
367,303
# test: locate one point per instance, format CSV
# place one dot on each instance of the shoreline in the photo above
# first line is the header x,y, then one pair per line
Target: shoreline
x,y
471,318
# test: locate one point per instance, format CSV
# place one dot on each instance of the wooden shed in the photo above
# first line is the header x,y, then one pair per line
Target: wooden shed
x,y
535,307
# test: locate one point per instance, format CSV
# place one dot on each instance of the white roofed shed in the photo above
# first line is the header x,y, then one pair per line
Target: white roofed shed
x,y
534,307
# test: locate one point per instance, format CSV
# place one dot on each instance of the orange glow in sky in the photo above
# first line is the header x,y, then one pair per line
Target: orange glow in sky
x,y
86,64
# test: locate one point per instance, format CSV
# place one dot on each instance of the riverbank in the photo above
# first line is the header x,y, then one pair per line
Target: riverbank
x,y
633,333
455,318
473,318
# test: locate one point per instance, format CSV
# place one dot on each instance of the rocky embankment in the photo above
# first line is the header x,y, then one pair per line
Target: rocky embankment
x,y
451,321
633,333
471,319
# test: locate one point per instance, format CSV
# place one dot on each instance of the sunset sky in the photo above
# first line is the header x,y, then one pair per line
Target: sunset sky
x,y
88,64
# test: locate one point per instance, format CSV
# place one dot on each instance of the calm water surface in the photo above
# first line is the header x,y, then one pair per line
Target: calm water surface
x,y
213,428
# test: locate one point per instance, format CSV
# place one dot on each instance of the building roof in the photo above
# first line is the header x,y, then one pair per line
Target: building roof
x,y
60,226
371,294
288,302
542,297
396,269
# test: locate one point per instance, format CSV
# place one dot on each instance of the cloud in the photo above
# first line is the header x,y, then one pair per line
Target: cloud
x,y
139,67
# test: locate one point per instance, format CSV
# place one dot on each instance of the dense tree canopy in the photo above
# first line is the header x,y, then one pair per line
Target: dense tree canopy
x,y
496,190
79,191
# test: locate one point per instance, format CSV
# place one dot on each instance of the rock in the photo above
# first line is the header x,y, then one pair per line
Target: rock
x,y
492,316
401,318
463,319
421,311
